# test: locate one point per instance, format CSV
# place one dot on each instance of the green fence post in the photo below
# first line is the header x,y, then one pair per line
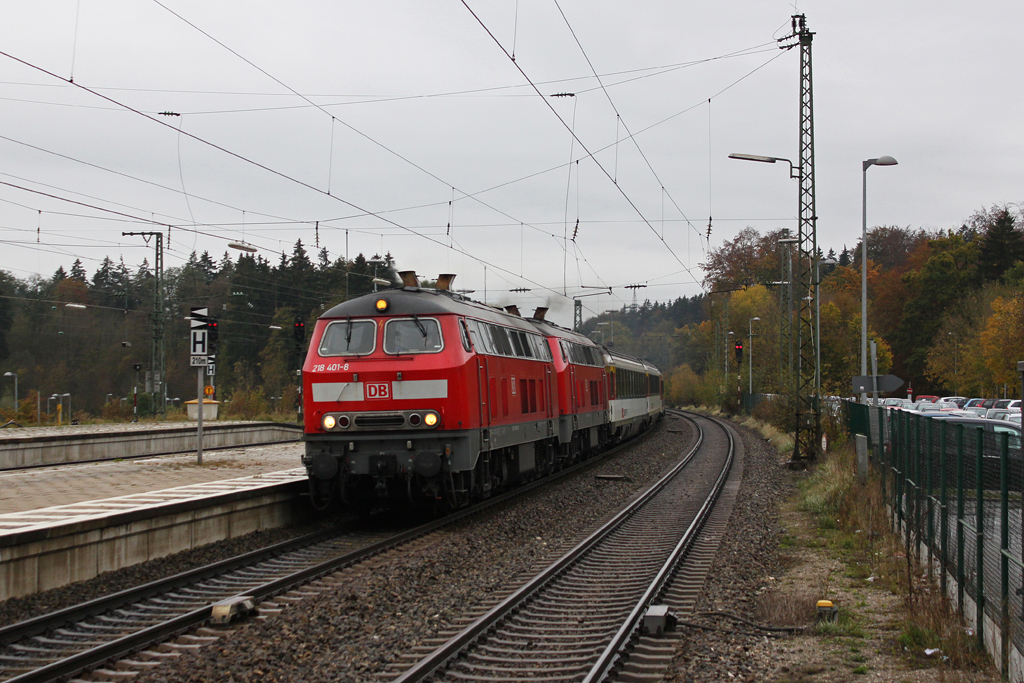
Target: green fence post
x,y
930,499
908,482
979,506
943,511
881,461
901,472
1004,549
960,517
918,522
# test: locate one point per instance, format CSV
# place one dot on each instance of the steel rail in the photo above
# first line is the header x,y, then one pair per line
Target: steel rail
x,y
96,656
440,657
630,629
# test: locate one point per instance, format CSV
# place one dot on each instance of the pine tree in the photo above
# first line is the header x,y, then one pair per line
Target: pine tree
x,y
1002,246
78,271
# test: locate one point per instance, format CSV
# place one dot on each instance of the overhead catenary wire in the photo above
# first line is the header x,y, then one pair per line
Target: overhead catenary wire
x,y
618,120
266,168
344,123
581,143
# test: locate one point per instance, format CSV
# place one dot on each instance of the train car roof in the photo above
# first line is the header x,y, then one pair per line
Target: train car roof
x,y
551,329
417,301
619,355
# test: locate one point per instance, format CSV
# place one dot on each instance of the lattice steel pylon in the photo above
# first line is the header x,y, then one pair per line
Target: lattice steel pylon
x,y
158,359
808,415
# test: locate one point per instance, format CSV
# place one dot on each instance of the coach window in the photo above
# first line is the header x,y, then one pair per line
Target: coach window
x,y
412,335
464,333
349,338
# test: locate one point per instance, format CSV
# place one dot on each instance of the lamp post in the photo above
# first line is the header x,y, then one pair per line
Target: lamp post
x,y
68,397
611,340
15,376
750,357
880,161
375,262
728,342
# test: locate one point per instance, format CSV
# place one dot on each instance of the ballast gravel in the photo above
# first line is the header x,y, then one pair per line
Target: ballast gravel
x,y
20,609
374,615
747,555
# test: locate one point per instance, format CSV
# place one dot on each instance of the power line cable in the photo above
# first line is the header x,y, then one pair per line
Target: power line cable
x,y
562,121
263,167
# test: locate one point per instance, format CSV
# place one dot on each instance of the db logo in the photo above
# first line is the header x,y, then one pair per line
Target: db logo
x,y
378,390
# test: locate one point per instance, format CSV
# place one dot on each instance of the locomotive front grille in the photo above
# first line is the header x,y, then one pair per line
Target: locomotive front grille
x,y
386,420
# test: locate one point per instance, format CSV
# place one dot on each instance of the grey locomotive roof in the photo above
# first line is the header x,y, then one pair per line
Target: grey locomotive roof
x,y
415,301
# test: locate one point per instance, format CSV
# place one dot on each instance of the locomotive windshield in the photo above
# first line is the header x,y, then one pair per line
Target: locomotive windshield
x,y
412,335
349,338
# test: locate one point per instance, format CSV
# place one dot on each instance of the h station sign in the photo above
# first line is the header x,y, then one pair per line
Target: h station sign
x,y
199,342
202,340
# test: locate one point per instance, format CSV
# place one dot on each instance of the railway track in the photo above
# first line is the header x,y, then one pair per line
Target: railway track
x,y
577,620
87,637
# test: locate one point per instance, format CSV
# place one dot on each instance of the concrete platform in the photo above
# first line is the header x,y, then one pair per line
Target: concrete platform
x,y
60,525
39,446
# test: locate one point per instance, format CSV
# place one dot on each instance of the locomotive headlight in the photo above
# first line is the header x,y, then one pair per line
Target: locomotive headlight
x,y
430,419
329,422
382,305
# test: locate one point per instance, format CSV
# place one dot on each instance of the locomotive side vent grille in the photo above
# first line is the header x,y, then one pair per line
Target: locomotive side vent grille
x,y
385,420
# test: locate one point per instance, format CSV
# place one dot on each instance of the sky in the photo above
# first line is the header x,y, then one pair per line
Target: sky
x,y
408,128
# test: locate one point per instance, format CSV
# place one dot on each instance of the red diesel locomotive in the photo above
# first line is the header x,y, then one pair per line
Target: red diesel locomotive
x,y
422,395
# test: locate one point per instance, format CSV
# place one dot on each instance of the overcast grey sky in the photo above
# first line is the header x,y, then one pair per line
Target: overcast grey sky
x,y
404,106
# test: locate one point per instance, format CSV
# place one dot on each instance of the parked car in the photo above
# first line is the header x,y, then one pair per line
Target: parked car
x,y
930,399
938,407
1003,403
958,400
1013,418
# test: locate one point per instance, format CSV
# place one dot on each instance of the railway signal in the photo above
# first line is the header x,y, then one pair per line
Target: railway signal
x,y
739,353
213,333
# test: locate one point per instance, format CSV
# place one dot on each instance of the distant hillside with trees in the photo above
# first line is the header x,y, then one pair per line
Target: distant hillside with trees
x,y
945,308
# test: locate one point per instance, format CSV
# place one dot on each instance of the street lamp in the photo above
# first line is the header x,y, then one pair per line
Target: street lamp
x,y
68,397
880,161
15,376
611,341
794,172
750,357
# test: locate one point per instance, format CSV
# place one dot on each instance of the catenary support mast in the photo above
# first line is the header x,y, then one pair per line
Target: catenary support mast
x,y
807,408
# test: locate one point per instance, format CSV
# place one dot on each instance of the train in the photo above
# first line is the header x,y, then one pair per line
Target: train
x,y
422,396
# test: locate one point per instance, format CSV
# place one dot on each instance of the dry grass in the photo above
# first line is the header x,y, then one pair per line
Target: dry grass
x,y
784,608
875,555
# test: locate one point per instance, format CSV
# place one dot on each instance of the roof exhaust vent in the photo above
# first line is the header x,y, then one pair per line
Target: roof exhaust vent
x,y
409,278
513,309
444,281
540,313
